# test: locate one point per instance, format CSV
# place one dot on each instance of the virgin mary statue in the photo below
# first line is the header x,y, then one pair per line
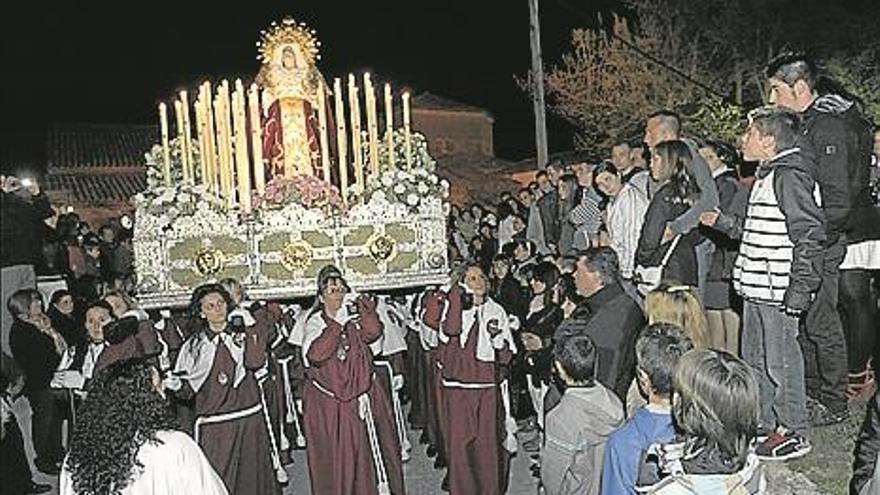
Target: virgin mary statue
x,y
289,80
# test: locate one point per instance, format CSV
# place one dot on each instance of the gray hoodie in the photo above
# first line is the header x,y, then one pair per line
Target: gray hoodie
x,y
576,432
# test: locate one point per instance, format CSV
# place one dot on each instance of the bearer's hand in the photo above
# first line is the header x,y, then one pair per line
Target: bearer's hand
x,y
172,382
365,304
531,342
493,327
668,235
709,218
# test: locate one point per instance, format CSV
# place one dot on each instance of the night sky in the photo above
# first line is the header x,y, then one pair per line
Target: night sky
x,y
111,62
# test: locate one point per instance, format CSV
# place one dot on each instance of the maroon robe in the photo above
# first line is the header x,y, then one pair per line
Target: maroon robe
x,y
338,445
471,403
144,343
237,448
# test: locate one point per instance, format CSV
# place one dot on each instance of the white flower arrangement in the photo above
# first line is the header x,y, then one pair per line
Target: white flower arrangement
x,y
167,204
411,184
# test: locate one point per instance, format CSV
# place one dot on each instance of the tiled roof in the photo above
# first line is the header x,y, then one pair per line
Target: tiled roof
x,y
96,189
74,146
97,164
430,101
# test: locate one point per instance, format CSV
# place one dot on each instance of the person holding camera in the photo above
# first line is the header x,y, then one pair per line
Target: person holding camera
x,y
23,208
476,347
352,444
216,371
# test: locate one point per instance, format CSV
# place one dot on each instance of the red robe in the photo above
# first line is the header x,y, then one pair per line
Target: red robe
x,y
238,448
478,463
338,447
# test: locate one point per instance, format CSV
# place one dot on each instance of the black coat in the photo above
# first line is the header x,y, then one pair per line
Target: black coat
x,y
682,266
21,228
509,294
613,323
35,353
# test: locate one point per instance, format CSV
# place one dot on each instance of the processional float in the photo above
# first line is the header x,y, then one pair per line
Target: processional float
x,y
268,182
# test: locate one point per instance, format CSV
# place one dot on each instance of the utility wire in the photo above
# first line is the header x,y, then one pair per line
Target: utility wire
x,y
632,46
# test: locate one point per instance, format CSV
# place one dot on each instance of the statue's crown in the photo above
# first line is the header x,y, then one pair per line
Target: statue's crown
x,y
286,33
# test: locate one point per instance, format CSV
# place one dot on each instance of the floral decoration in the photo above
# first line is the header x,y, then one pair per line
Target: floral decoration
x,y
306,190
408,185
166,203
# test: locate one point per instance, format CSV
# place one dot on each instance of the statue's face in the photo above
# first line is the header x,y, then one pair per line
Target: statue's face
x,y
288,58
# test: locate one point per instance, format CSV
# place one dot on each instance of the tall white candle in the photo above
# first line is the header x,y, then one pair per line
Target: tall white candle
x,y
166,152
242,162
186,145
341,140
407,131
389,124
357,151
322,125
257,139
372,123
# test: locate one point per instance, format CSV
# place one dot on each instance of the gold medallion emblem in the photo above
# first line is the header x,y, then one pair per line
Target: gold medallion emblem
x,y
209,261
296,255
223,378
382,247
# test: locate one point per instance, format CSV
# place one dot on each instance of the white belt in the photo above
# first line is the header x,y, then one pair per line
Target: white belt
x,y
223,418
467,385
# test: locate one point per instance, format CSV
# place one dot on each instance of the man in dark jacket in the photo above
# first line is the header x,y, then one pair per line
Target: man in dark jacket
x,y
612,321
835,155
22,211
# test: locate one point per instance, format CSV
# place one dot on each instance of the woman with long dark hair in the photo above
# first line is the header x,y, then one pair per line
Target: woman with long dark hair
x,y
672,169
126,441
62,312
216,370
567,191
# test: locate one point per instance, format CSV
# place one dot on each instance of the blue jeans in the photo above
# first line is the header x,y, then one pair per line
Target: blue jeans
x,y
770,347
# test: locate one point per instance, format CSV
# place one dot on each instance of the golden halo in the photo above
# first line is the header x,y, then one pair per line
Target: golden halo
x,y
288,32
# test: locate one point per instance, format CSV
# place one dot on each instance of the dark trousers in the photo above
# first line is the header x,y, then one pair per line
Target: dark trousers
x,y
48,411
858,311
822,339
14,469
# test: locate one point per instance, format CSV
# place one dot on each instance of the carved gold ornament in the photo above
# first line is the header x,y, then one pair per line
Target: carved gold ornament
x,y
382,247
209,261
296,255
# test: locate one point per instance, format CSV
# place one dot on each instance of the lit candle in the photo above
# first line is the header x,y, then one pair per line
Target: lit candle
x,y
242,163
372,124
166,152
357,151
341,141
225,131
200,132
389,124
178,114
256,139
186,145
407,146
322,125
209,154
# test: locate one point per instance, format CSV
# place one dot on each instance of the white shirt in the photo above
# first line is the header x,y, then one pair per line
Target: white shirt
x,y
177,466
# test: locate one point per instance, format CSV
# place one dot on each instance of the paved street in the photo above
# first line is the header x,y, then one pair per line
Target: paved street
x,y
421,477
